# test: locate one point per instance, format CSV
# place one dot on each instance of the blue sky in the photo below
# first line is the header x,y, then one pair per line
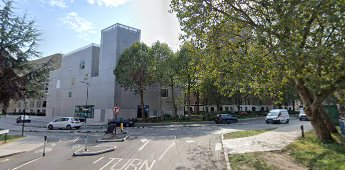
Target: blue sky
x,y
67,25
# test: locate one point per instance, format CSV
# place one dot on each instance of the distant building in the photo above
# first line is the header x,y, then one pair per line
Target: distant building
x,y
36,106
86,78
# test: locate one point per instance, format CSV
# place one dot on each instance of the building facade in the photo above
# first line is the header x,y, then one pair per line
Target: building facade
x,y
86,78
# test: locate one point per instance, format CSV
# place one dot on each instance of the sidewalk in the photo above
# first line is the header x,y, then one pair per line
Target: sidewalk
x,y
24,144
276,139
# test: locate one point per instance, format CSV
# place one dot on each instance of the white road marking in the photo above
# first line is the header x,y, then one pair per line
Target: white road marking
x,y
142,147
79,149
4,160
41,150
60,140
218,147
97,160
53,144
160,158
27,163
190,141
76,139
143,140
112,159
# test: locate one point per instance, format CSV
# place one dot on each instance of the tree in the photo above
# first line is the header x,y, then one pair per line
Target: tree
x,y
18,42
186,71
162,55
134,70
270,44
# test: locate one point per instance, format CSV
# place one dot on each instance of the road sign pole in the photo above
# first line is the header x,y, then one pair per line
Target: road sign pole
x,y
44,146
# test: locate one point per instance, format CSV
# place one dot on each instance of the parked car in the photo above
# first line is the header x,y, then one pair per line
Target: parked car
x,y
278,116
20,119
302,115
225,118
118,121
64,123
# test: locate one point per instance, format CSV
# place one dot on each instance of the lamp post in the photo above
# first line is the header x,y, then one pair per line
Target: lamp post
x,y
87,94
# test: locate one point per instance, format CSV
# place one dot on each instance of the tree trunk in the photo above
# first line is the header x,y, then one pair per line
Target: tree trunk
x,y
188,102
327,120
173,96
160,101
318,124
142,103
312,109
197,102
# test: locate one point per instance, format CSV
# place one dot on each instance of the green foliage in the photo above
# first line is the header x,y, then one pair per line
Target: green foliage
x,y
134,70
18,42
259,47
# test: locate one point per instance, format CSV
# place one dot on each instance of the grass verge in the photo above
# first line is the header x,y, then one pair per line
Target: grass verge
x,y
305,153
316,155
245,133
9,138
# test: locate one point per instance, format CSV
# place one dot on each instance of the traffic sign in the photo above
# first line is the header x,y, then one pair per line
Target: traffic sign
x,y
116,109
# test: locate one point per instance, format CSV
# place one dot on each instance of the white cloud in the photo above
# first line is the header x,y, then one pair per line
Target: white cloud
x,y
80,25
58,3
107,3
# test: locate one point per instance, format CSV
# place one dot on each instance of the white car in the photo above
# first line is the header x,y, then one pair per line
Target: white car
x,y
302,115
64,123
278,116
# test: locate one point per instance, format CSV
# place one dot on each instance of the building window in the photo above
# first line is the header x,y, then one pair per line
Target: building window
x,y
44,104
266,108
43,110
231,109
164,92
82,64
262,109
32,104
39,103
38,110
212,109
221,108
70,94
226,109
245,109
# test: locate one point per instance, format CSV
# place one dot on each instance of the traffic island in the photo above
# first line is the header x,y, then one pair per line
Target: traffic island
x,y
93,151
113,137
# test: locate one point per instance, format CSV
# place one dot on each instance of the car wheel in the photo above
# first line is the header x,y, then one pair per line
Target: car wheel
x,y
236,121
50,127
68,127
287,121
300,119
267,122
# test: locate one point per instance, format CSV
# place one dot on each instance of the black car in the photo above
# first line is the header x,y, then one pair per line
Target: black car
x,y
118,121
20,119
226,118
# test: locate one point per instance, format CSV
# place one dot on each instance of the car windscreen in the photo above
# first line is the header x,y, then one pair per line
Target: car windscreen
x,y
273,113
75,119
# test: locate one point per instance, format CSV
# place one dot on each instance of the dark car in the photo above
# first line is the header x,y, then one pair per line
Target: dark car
x,y
226,118
20,119
118,121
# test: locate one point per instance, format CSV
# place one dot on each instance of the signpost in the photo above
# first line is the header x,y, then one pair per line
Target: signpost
x,y
116,110
4,132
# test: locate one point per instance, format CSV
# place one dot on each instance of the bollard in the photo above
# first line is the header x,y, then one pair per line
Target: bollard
x,y
44,146
5,137
302,130
121,127
86,143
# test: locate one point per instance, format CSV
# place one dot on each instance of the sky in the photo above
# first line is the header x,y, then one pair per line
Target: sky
x,y
66,25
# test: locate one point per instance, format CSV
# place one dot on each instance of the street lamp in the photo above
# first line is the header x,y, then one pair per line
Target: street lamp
x,y
87,94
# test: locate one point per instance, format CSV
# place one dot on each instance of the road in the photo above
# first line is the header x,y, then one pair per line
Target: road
x,y
157,148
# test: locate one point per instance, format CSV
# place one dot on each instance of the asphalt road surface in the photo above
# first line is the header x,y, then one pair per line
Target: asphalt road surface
x,y
163,148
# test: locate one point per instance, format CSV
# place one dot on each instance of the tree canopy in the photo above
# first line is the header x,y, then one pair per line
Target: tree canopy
x,y
134,70
260,46
18,44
